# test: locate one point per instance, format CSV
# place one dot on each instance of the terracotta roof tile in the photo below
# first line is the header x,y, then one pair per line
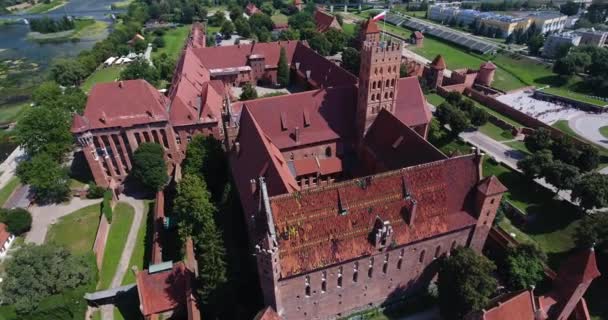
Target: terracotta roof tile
x,y
517,305
251,9
237,55
267,313
121,104
438,63
488,65
312,232
411,107
418,35
491,186
323,73
4,234
396,146
579,268
163,291
370,26
324,21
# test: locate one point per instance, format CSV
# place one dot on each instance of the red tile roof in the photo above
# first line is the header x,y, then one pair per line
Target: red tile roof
x,y
411,106
4,234
324,21
121,104
237,55
491,186
251,9
158,227
370,26
312,233
438,63
516,305
394,145
323,73
163,291
324,166
488,65
579,268
267,313
330,112
418,35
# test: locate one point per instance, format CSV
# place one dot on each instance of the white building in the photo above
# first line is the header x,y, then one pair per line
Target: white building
x,y
556,41
6,239
549,21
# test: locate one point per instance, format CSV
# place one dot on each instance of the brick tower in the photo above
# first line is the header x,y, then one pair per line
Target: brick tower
x,y
378,77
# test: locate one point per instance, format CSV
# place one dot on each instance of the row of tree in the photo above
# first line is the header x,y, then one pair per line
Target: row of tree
x,y
590,61
50,25
460,113
566,165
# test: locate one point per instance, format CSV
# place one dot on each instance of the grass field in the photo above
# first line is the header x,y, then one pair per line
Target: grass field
x,y
42,7
518,145
434,99
279,18
11,112
349,29
604,131
77,230
495,132
8,189
555,220
174,41
122,219
139,252
108,74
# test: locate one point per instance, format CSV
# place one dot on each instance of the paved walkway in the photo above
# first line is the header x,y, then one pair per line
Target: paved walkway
x,y
9,166
588,125
107,311
45,216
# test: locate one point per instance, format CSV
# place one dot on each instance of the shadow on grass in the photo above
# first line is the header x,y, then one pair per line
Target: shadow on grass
x,y
79,169
553,80
127,304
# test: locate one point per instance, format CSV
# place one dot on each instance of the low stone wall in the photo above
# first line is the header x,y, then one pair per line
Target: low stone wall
x,y
100,240
158,225
545,96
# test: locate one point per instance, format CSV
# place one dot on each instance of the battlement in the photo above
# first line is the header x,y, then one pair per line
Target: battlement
x,y
382,48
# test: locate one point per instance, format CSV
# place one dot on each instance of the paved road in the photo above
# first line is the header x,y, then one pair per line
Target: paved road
x,y
107,311
588,125
45,216
9,166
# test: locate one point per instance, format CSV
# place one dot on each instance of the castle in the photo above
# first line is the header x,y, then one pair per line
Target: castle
x,y
346,203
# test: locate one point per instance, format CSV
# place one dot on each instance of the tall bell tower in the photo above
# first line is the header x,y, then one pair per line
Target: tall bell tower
x,y
378,78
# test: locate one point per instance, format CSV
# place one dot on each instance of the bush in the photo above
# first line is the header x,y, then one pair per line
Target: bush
x,y
95,191
18,220
158,42
106,205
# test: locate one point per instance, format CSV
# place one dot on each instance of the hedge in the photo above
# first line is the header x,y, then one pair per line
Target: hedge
x,y
106,205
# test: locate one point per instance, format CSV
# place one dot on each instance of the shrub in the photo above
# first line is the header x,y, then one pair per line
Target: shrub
x,y
18,220
95,191
106,205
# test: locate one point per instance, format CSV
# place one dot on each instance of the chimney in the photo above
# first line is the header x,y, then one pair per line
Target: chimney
x,y
103,117
120,84
297,134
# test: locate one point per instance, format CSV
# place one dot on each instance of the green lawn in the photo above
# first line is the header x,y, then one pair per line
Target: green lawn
x,y
108,74
8,189
555,220
122,219
495,132
10,113
349,29
143,237
604,131
77,230
42,7
279,18
518,145
174,41
434,99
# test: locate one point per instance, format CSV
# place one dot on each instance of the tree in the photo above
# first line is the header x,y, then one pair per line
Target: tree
x,y
465,283
67,72
591,190
45,130
205,157
195,213
158,42
535,43
149,167
478,116
227,29
540,139
267,8
569,8
337,39
18,220
320,44
217,19
73,100
351,60
242,27
533,165
248,93
593,230
140,69
564,149
588,159
561,175
47,93
236,12
340,19
46,177
36,272
165,66
289,34
458,121
283,69
523,266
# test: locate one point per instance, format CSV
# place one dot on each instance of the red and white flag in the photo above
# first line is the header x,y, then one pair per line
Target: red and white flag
x,y
379,16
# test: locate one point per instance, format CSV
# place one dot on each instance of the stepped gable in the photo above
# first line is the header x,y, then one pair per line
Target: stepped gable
x,y
438,63
258,156
324,21
394,145
323,73
491,186
411,107
323,226
514,305
320,115
121,104
197,38
237,56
